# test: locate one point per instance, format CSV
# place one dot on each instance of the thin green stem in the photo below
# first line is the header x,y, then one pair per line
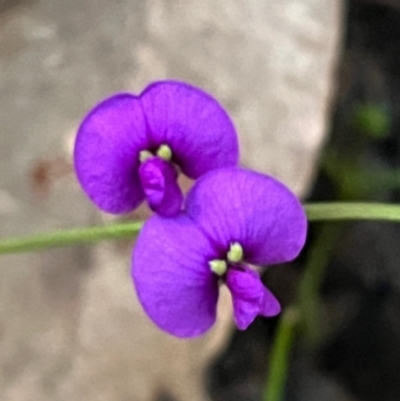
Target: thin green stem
x,y
280,355
69,237
315,212
315,266
328,211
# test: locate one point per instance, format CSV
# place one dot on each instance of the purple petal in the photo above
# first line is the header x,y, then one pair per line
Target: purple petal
x,y
250,297
173,280
257,211
107,153
270,306
158,178
194,125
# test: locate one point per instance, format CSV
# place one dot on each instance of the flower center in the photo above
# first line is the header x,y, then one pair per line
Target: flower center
x,y
163,152
234,255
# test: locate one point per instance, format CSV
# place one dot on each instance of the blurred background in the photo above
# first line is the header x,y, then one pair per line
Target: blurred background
x,y
314,90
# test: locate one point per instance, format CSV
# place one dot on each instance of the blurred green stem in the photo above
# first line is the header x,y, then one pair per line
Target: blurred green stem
x,y
305,314
308,296
280,354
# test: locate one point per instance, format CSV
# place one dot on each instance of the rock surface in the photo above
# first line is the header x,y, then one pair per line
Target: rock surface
x,y
70,325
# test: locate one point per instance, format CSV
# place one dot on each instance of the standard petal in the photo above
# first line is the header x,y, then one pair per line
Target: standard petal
x,y
255,210
193,124
250,298
107,153
158,178
172,278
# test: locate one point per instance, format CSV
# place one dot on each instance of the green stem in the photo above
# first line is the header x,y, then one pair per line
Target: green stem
x,y
328,211
315,212
280,355
306,311
69,237
308,293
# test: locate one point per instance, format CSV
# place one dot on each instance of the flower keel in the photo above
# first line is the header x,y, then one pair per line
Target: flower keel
x,y
250,297
159,182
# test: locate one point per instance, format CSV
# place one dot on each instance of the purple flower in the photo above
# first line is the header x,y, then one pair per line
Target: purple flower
x,y
234,219
131,147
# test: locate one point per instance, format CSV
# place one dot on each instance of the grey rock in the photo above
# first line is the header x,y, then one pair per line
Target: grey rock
x,y
70,325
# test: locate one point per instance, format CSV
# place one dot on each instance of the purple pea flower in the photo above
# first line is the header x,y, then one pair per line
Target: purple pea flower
x,y
130,148
235,219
